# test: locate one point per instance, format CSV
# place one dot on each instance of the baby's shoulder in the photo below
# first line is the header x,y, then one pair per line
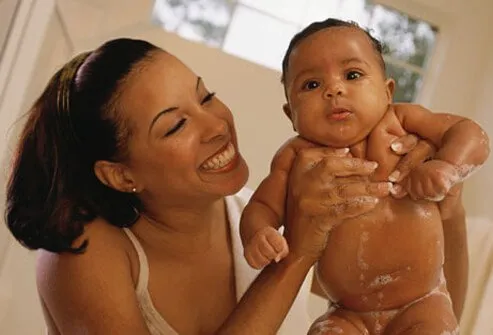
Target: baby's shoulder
x,y
288,151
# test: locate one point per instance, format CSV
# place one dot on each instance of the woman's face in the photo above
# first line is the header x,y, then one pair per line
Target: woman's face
x,y
183,144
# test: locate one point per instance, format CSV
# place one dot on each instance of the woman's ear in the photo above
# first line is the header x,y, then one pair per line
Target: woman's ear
x,y
115,175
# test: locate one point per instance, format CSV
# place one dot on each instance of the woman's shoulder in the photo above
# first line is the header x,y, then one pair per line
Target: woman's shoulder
x,y
95,287
107,248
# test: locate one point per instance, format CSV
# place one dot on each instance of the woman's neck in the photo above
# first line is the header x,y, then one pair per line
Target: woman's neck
x,y
184,231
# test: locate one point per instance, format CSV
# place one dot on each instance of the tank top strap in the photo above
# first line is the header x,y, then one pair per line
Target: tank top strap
x,y
143,264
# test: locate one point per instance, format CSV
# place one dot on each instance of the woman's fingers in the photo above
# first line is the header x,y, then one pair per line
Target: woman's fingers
x,y
404,144
347,166
351,190
327,186
353,207
421,152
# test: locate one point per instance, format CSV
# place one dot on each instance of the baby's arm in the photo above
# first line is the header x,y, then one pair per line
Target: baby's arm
x,y
264,213
462,148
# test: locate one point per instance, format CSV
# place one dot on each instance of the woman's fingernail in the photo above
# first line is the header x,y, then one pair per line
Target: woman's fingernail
x,y
394,176
396,189
396,146
342,151
385,186
278,258
371,165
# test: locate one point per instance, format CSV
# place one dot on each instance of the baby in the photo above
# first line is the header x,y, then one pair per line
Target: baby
x,y
383,269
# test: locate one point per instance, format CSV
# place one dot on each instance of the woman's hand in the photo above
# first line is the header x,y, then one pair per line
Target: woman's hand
x,y
326,187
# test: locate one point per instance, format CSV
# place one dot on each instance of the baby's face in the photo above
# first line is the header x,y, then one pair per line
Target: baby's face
x,y
337,91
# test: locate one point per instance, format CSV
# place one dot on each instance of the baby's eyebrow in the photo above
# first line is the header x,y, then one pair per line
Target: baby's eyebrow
x,y
354,60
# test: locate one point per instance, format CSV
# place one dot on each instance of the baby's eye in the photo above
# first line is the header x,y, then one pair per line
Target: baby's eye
x,y
351,75
311,85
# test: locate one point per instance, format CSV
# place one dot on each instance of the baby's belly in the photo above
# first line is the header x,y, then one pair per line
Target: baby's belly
x,y
384,259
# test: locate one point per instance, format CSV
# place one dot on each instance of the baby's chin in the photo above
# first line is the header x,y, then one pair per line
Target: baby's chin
x,y
337,143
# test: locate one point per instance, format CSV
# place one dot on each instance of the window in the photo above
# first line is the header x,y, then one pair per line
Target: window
x,y
260,30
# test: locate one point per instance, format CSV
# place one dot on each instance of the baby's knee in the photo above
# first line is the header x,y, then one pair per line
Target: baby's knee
x,y
339,323
430,316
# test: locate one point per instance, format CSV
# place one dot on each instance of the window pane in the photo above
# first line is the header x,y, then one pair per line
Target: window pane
x,y
407,83
287,10
200,20
319,10
355,10
405,38
259,38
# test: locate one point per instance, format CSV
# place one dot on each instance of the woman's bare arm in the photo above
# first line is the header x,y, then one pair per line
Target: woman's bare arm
x,y
91,293
313,209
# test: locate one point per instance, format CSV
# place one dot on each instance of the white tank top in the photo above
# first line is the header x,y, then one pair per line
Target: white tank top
x,y
297,320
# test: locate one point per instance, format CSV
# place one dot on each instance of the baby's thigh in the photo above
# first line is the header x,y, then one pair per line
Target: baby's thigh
x,y
338,322
431,316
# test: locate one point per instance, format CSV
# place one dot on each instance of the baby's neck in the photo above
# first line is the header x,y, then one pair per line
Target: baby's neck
x,y
359,149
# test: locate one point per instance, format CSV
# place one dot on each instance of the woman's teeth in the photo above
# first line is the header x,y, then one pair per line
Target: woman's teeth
x,y
221,159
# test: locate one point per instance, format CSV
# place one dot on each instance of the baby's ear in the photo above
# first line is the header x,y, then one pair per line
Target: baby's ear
x,y
390,86
287,111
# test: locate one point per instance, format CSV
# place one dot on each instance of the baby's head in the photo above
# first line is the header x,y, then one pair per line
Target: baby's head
x,y
335,83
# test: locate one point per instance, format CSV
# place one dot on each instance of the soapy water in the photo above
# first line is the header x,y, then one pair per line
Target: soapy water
x,y
365,236
382,280
462,173
322,327
456,331
466,170
424,212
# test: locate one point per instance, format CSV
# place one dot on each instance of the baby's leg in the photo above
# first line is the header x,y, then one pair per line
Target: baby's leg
x,y
338,322
432,315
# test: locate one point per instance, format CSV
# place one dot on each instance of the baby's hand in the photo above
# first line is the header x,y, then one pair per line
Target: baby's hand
x,y
432,180
266,245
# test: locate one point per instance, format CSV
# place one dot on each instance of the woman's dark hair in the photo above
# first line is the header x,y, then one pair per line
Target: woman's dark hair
x,y
320,25
52,190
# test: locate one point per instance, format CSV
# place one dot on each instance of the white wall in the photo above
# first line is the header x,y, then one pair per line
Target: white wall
x,y
460,81
478,192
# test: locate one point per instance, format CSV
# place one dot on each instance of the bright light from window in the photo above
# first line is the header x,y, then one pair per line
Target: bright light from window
x,y
263,42
260,30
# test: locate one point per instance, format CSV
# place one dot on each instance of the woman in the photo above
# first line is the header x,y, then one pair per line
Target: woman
x,y
128,139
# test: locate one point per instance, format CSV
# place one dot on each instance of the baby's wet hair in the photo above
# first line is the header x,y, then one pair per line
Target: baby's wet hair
x,y
326,24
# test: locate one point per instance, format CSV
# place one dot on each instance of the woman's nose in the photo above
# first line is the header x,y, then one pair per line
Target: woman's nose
x,y
214,128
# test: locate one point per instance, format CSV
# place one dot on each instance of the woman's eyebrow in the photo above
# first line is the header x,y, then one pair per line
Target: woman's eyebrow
x,y
170,109
158,115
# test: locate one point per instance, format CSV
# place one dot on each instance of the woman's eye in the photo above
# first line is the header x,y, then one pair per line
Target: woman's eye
x,y
207,98
311,85
176,127
353,75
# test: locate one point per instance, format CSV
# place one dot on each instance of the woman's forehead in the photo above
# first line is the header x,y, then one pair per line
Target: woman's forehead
x,y
161,75
159,82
